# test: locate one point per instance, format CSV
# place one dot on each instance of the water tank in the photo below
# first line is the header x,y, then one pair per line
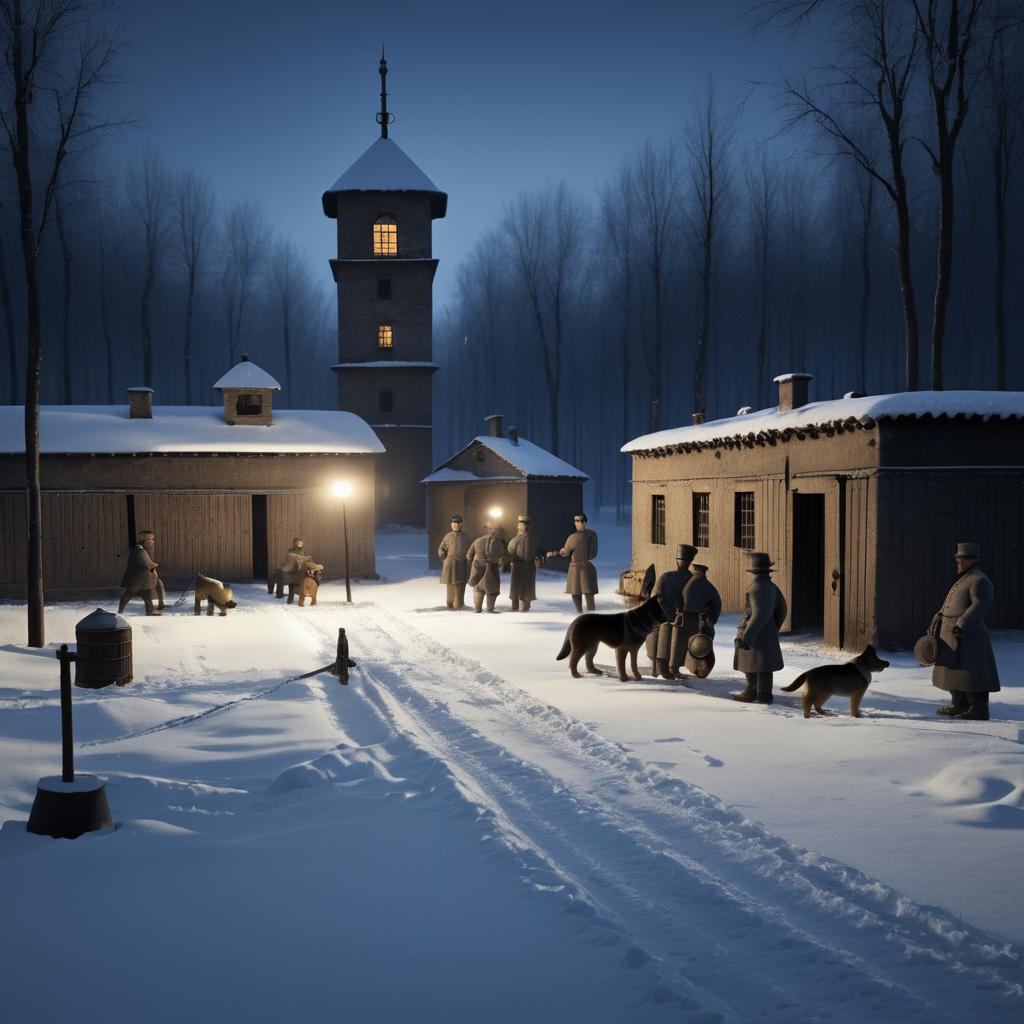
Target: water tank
x,y
104,654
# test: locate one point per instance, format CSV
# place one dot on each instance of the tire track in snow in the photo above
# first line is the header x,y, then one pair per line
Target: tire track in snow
x,y
779,933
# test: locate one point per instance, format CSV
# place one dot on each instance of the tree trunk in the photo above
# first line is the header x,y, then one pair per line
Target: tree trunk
x,y
12,330
761,385
944,268
656,372
65,253
868,209
907,288
108,340
147,334
189,299
1001,171
700,353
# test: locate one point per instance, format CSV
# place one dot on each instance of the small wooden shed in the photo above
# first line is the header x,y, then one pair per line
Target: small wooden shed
x,y
860,501
508,473
224,487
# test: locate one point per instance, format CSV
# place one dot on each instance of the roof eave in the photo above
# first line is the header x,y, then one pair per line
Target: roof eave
x,y
438,200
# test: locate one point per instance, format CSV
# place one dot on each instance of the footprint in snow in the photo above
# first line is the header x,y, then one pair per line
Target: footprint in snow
x,y
713,762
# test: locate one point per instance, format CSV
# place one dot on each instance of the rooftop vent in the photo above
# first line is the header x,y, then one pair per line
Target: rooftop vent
x,y
494,422
793,390
698,417
140,403
513,435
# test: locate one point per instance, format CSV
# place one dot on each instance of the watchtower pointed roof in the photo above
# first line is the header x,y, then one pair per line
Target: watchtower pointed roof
x,y
247,376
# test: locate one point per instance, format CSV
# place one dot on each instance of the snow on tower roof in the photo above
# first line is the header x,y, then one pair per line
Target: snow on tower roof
x,y
384,167
530,459
246,375
181,429
863,411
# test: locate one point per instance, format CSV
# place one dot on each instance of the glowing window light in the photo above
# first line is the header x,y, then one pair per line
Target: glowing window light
x,y
385,237
385,336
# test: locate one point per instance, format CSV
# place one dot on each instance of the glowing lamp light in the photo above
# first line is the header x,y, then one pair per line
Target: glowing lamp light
x,y
494,512
342,489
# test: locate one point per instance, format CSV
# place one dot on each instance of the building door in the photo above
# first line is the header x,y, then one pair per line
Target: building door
x,y
259,536
808,611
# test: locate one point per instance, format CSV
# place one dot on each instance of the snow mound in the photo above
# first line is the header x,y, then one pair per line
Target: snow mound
x,y
985,791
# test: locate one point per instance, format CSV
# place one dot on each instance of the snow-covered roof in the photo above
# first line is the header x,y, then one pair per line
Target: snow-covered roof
x,y
246,375
376,364
384,167
108,429
445,475
863,411
530,459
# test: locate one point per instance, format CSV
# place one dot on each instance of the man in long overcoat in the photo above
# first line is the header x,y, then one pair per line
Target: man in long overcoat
x,y
580,548
140,576
454,567
525,555
966,666
758,654
701,600
668,589
486,555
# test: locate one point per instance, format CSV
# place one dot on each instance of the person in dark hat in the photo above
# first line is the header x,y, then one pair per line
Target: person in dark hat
x,y
580,548
758,654
701,601
526,556
454,567
965,665
486,556
668,589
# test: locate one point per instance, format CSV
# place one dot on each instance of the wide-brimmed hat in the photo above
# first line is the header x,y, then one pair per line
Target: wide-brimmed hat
x,y
700,645
685,553
759,561
926,650
964,550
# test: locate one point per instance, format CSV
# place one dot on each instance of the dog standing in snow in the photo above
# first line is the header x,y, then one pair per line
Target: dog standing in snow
x,y
214,593
623,631
849,680
309,585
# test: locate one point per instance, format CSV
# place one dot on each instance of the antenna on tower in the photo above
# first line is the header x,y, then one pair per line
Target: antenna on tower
x,y
384,118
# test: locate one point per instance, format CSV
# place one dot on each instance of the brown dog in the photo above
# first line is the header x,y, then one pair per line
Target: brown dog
x,y
849,680
309,586
214,593
623,631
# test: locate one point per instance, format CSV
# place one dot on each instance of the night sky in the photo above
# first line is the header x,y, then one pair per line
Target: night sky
x,y
274,101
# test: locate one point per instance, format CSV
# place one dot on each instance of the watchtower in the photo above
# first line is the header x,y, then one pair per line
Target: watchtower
x,y
385,207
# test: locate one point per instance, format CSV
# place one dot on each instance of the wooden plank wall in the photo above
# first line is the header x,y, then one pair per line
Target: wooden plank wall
x,y
12,543
316,517
199,532
921,517
85,540
861,560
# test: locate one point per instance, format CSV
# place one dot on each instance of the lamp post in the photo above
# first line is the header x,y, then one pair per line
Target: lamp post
x,y
343,489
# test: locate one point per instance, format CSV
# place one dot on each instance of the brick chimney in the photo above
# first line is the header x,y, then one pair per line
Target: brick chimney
x,y
494,421
140,403
793,390
698,417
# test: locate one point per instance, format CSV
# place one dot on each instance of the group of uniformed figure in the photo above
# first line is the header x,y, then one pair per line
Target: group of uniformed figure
x,y
478,563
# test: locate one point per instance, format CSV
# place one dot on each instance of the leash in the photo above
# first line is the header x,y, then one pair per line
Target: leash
x,y
188,588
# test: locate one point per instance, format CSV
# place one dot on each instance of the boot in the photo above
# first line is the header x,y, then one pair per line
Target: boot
x,y
577,600
949,710
764,688
491,598
590,602
478,600
973,715
748,695
661,669
515,604
525,606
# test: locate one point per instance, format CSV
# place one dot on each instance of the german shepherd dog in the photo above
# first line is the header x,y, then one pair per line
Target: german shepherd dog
x,y
849,680
624,632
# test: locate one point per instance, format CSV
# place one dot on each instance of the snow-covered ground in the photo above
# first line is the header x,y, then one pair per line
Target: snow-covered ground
x,y
466,833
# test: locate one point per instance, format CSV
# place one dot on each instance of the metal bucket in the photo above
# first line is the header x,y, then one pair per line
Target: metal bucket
x,y
104,654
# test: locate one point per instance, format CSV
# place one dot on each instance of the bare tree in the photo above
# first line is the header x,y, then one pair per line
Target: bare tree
x,y
656,176
866,199
101,229
54,66
481,278
762,197
147,200
245,239
287,282
882,46
193,210
9,321
544,232
66,282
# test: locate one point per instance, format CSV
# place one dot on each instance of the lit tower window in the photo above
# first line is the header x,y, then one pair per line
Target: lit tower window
x,y
385,336
385,237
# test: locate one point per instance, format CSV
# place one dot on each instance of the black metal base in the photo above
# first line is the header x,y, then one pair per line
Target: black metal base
x,y
66,810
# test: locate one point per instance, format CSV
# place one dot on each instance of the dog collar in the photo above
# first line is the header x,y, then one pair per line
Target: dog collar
x,y
866,673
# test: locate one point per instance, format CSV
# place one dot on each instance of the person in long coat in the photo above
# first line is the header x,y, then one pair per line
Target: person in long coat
x,y
758,654
141,578
526,556
454,567
486,555
668,589
701,600
580,548
966,666
291,570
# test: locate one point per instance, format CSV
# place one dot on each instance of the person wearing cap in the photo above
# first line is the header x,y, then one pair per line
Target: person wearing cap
x,y
668,589
486,555
454,567
965,665
526,556
758,654
580,548
291,570
140,576
701,601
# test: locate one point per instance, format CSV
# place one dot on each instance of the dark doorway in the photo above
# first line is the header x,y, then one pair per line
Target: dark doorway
x,y
808,612
259,536
129,501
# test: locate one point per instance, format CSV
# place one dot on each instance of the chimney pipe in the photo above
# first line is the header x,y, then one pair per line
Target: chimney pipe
x,y
140,403
698,417
513,435
793,390
494,420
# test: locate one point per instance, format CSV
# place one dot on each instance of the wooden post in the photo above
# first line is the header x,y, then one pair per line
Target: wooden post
x,y
66,731
348,581
342,662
